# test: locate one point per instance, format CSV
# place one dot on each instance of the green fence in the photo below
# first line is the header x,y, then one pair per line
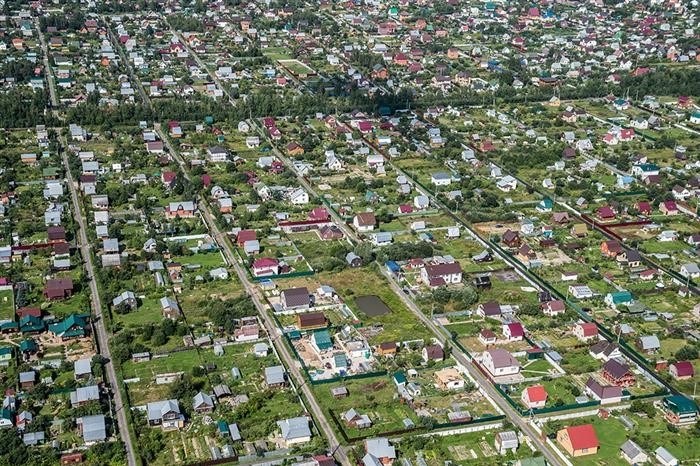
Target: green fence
x,y
307,273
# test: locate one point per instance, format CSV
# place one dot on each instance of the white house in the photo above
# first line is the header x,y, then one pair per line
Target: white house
x,y
507,184
440,179
299,197
500,362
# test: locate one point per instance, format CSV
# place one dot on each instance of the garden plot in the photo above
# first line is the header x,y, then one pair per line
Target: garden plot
x,y
297,68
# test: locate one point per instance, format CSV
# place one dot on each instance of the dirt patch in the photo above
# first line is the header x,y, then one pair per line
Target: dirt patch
x,y
376,386
372,305
507,276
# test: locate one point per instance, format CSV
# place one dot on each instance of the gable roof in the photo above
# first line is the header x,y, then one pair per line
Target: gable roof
x,y
583,437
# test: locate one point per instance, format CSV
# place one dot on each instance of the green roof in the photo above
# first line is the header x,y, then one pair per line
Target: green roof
x,y
27,345
5,350
9,325
67,327
680,404
340,360
400,377
322,339
621,297
31,324
222,425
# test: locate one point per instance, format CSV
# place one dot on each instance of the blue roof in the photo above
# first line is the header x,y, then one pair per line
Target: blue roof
x,y
393,266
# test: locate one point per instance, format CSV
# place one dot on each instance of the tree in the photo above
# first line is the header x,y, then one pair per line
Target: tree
x,y
687,353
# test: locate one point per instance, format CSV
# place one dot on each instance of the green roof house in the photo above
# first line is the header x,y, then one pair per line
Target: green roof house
x,y
679,410
321,340
5,355
73,326
618,298
31,324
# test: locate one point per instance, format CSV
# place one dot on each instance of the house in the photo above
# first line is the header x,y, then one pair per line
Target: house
x,y
364,222
354,419
442,274
610,248
630,257
295,299
669,208
511,239
73,326
217,154
579,440
604,350
58,288
202,403
690,270
507,184
579,230
606,394
662,455
618,298
449,378
681,370
183,209
387,348
633,453
84,395
170,308
125,300
378,452
82,368
487,337
275,376
265,266
580,291
648,344
353,260
500,362
440,179
513,331
534,397
33,438
294,431
553,308
605,213
679,410
506,441
92,428
586,331
433,353
618,373
382,238
311,320
27,379
165,414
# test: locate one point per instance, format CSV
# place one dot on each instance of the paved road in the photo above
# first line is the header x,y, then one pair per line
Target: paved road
x,y
102,334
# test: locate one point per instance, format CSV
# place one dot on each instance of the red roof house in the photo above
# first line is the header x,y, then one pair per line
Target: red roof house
x,y
534,397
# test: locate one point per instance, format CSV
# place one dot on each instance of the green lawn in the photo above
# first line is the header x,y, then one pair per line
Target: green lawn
x,y
7,305
373,397
399,325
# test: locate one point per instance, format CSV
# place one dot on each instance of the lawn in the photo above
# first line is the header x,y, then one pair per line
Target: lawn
x,y
461,449
7,305
648,433
373,397
399,325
